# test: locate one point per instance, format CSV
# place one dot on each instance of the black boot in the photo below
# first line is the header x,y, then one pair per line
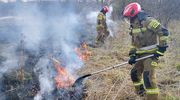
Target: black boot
x,y
140,90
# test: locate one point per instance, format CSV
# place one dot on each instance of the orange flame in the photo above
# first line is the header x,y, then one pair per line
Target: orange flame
x,y
83,52
63,78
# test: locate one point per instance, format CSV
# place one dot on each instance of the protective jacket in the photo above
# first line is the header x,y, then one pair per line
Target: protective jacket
x,y
101,22
147,35
101,29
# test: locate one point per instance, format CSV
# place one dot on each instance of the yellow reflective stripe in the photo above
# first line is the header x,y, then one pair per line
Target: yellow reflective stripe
x,y
146,51
99,26
100,17
138,83
163,38
138,30
132,47
160,53
154,24
132,55
155,64
152,91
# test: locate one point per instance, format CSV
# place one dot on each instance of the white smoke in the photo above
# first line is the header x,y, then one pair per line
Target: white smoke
x,y
92,19
11,62
45,78
38,96
110,22
7,18
52,26
57,28
31,25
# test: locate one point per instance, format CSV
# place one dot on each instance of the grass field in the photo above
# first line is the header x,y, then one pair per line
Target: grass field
x,y
116,84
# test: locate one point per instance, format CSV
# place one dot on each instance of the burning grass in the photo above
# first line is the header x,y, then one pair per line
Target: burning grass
x,y
114,84
63,79
83,52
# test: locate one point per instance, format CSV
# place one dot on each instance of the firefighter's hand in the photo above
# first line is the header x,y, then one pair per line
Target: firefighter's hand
x,y
160,51
132,52
158,54
132,59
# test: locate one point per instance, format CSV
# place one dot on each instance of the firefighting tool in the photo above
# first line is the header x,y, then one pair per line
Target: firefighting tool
x,y
80,79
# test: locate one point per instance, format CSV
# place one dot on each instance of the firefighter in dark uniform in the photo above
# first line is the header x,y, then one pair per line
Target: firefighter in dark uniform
x,y
148,37
101,28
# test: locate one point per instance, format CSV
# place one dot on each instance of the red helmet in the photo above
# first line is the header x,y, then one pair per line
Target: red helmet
x,y
106,8
132,9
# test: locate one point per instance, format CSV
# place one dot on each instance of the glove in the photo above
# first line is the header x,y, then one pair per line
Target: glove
x,y
132,54
160,51
132,59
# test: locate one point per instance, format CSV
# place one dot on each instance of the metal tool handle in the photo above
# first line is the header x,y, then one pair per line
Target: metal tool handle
x,y
118,65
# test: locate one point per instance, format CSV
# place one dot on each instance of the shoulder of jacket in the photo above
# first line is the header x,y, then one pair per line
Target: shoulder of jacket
x,y
152,23
100,16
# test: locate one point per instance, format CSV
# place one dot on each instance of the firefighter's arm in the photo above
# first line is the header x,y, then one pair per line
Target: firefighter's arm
x,y
162,33
132,54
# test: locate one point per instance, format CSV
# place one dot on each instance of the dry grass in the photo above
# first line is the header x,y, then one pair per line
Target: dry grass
x,y
116,84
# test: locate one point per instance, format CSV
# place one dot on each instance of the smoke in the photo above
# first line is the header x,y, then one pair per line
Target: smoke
x,y
92,19
31,25
52,27
111,24
8,62
47,29
55,24
45,78
38,97
51,23
10,58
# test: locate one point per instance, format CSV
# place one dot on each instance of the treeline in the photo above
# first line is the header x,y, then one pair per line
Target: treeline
x,y
164,10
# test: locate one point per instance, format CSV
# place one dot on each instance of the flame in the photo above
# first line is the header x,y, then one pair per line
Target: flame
x,y
83,52
63,78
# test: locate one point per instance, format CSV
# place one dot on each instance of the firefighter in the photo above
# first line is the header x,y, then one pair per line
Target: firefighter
x,y
148,37
101,27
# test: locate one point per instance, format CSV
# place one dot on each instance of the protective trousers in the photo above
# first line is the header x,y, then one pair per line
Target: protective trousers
x,y
101,37
144,78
